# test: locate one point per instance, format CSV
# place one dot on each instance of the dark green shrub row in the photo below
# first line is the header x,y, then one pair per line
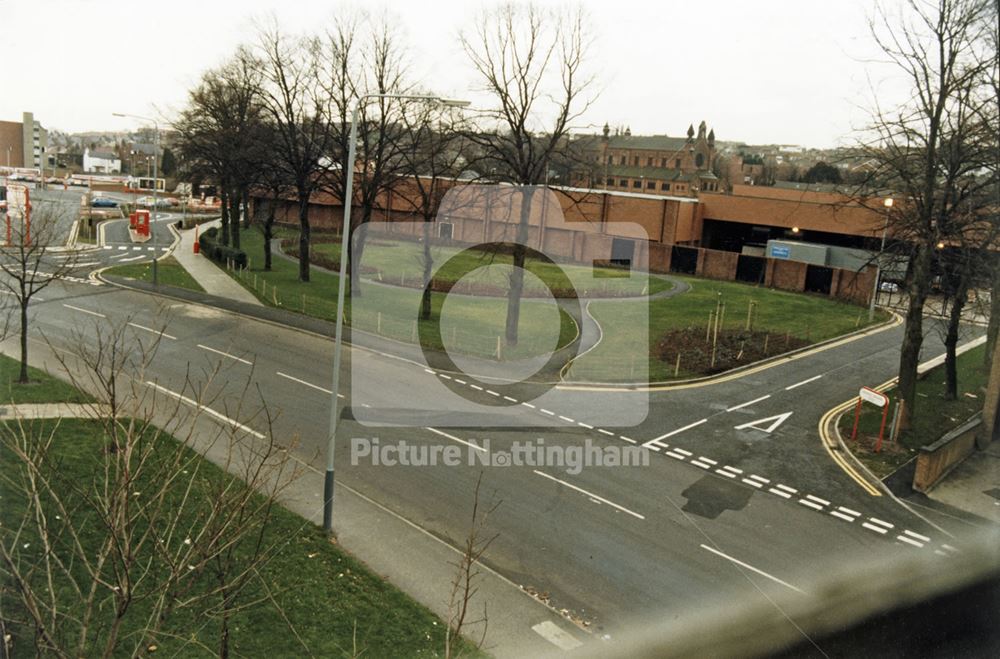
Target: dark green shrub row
x,y
211,248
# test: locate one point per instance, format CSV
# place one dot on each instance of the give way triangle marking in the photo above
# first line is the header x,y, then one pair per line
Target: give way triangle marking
x,y
776,421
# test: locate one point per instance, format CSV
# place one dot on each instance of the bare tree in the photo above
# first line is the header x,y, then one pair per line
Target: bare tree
x,y
465,584
434,151
100,566
29,264
531,60
365,55
299,107
931,149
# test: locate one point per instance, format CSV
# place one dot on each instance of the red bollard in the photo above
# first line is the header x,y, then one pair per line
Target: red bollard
x,y
197,247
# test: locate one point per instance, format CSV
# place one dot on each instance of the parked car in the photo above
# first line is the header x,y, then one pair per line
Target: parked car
x,y
103,202
148,201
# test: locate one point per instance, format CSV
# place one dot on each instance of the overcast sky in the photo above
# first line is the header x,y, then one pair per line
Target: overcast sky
x,y
777,71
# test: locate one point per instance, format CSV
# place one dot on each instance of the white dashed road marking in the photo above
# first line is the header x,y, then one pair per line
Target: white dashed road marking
x,y
751,568
748,403
86,311
226,354
154,331
590,494
799,384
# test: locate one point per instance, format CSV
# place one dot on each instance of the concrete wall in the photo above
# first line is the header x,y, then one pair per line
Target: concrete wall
x,y
935,460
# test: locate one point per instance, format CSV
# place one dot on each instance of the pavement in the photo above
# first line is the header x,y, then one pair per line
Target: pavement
x,y
974,485
211,277
52,411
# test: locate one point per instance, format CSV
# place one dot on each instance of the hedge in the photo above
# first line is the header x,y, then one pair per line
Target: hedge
x,y
210,247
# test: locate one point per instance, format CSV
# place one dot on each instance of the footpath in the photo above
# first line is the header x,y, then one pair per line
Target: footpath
x,y
412,558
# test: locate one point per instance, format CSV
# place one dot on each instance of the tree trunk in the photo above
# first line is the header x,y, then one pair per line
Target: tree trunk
x,y
517,274
951,340
994,327
268,236
913,335
425,301
234,219
303,235
245,197
224,207
23,376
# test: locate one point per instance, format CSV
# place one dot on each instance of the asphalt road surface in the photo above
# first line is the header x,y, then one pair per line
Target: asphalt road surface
x,y
739,499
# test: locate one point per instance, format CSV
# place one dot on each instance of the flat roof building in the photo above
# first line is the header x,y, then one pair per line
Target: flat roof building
x,y
23,144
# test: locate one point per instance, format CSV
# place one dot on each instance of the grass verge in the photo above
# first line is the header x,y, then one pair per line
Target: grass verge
x,y
782,319
933,416
42,388
169,272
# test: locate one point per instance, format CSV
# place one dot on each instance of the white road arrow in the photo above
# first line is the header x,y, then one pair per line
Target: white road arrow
x,y
776,421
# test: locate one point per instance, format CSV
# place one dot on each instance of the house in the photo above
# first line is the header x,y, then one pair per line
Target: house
x,y
102,162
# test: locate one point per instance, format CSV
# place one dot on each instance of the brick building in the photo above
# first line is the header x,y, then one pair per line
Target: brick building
x,y
654,164
22,144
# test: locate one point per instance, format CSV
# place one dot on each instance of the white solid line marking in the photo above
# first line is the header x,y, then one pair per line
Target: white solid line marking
x,y
150,329
509,399
201,408
443,376
848,511
799,384
605,432
545,411
122,247
492,393
747,404
786,488
671,454
682,451
758,478
917,536
846,518
750,482
655,448
556,636
949,547
476,387
584,425
807,502
460,381
752,568
427,370
708,460
589,494
872,527
696,463
627,439
876,520
566,419
92,313
85,265
131,258
528,405
725,473
308,384
455,439
822,502
679,430
733,469
909,540
780,493
225,354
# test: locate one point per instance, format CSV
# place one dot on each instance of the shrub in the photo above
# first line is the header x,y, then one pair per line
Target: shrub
x,y
210,246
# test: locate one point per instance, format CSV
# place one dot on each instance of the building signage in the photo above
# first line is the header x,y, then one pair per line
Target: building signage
x,y
780,251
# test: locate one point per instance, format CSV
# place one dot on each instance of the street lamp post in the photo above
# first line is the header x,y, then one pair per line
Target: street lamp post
x,y
156,151
345,237
878,261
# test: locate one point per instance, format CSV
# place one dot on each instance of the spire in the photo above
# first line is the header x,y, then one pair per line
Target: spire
x,y
607,129
701,129
690,131
628,131
711,137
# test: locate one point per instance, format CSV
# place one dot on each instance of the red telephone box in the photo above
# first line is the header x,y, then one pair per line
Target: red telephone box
x,y
139,222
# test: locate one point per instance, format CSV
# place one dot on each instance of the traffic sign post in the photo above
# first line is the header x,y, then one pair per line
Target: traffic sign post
x,y
877,398
18,210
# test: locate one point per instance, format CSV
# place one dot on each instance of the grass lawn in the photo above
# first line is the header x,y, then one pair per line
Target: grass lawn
x,y
933,416
393,259
42,388
169,273
470,324
334,602
810,318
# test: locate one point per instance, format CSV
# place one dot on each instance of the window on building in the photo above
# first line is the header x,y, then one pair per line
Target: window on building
x,y
624,160
699,160
663,162
635,160
677,163
611,181
611,160
650,185
623,183
665,186
637,184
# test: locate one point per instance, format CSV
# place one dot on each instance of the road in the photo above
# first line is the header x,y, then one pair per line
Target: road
x,y
723,510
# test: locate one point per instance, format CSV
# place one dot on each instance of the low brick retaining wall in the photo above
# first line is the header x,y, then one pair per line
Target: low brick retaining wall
x,y
935,460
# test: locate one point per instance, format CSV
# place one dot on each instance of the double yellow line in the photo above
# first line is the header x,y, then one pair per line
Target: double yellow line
x,y
830,443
